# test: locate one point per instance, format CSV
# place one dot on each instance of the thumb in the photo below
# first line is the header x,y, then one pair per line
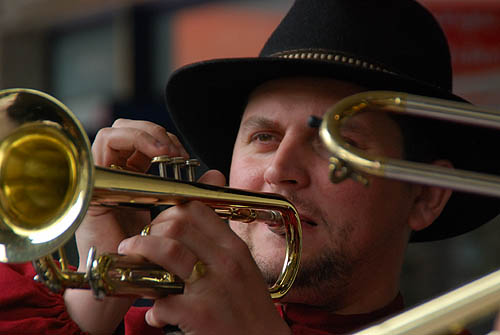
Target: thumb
x,y
213,177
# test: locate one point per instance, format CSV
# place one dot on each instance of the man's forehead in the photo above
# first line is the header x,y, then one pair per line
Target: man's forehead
x,y
316,95
305,95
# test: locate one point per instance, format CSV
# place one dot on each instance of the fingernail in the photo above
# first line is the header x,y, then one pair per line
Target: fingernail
x,y
159,144
147,317
151,321
123,246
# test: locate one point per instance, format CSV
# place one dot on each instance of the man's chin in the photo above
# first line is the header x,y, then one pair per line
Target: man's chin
x,y
268,250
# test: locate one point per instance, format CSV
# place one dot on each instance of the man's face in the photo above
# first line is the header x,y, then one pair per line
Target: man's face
x,y
349,230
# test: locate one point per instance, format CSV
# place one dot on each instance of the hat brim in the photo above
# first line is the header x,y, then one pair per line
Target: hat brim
x,y
206,101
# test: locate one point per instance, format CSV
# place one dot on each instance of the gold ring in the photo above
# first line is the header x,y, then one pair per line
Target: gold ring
x,y
116,167
146,230
199,271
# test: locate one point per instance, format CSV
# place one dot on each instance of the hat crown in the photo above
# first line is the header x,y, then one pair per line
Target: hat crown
x,y
358,29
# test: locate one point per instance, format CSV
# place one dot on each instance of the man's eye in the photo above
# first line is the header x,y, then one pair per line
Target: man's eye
x,y
351,139
263,137
350,142
356,142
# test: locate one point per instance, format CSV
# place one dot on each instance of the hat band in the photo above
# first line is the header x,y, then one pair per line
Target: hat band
x,y
330,57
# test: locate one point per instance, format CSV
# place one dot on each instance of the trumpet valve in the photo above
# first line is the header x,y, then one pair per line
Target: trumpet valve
x,y
176,164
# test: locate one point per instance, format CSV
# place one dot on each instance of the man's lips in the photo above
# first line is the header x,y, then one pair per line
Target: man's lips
x,y
306,222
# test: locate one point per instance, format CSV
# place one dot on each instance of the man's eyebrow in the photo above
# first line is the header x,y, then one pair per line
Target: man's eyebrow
x,y
259,122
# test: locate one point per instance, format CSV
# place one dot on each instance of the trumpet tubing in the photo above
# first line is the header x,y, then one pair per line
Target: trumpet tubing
x,y
347,162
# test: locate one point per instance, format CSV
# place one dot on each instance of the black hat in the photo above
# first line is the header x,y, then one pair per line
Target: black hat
x,y
382,44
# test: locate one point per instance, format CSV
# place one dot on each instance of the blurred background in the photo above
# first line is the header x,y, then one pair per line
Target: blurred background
x,y
110,59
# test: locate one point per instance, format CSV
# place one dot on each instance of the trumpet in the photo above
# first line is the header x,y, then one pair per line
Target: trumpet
x,y
451,312
48,180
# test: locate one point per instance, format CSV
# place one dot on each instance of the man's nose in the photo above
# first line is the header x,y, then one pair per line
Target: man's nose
x,y
288,166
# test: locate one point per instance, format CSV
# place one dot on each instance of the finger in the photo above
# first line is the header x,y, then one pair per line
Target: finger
x,y
158,132
151,128
213,177
176,141
133,143
116,145
179,310
138,161
193,217
158,320
167,253
163,313
198,227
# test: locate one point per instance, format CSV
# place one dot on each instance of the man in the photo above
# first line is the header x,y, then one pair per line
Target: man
x,y
255,110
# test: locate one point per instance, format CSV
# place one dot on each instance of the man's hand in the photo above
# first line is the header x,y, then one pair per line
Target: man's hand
x,y
131,145
230,297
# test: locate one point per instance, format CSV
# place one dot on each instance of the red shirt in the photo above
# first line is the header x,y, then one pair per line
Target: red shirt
x,y
28,307
304,319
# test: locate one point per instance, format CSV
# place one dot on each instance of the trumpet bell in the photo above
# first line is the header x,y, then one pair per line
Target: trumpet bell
x,y
44,188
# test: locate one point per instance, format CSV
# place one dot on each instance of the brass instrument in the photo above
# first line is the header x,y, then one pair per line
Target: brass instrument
x,y
48,180
451,312
348,162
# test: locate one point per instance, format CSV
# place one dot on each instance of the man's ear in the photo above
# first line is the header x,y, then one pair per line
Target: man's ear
x,y
429,202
